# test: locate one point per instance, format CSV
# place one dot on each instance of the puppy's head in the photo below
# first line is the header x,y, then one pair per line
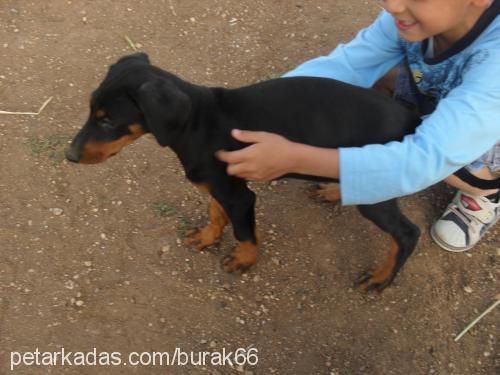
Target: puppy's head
x,y
134,98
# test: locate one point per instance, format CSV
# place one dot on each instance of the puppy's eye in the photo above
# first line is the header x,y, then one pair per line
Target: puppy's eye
x,y
106,123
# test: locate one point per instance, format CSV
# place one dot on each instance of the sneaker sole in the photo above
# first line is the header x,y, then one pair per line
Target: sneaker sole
x,y
445,246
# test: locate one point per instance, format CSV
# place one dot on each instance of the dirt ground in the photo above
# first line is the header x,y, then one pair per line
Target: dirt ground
x,y
93,256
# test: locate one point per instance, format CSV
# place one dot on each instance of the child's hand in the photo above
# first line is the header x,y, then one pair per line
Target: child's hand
x,y
269,156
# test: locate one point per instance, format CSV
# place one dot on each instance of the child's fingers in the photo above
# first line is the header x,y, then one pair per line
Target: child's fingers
x,y
248,136
237,163
244,154
236,170
231,157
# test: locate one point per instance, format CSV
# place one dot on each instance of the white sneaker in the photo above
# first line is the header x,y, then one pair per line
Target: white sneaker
x,y
465,221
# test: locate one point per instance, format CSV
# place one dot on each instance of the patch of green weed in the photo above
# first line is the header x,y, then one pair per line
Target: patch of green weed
x,y
184,227
51,147
162,209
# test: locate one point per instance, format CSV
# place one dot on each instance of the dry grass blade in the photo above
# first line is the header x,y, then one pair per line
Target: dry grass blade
x,y
172,8
474,322
28,113
130,43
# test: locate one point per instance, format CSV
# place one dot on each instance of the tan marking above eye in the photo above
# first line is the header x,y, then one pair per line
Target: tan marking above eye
x,y
136,130
100,113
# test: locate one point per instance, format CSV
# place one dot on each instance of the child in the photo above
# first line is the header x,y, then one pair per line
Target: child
x,y
449,53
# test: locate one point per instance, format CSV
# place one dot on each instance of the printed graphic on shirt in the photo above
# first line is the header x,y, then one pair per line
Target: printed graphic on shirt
x,y
433,81
417,76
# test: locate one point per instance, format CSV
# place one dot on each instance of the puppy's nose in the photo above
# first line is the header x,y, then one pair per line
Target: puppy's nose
x,y
72,155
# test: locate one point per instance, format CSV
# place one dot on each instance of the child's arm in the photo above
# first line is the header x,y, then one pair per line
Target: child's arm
x,y
270,156
361,62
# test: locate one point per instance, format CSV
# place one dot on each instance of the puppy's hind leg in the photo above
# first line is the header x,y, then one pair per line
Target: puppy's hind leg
x,y
403,239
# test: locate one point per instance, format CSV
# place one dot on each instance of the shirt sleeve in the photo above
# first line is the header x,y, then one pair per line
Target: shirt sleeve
x,y
464,126
361,62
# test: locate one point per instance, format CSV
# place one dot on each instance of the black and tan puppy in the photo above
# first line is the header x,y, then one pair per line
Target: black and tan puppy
x,y
195,121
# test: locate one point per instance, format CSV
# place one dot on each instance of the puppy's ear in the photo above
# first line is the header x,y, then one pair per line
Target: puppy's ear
x,y
142,56
138,57
165,108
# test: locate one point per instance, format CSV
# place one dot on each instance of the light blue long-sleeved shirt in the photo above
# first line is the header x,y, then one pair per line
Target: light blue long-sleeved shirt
x,y
465,84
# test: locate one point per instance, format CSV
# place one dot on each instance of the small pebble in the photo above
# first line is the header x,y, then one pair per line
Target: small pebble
x,y
56,211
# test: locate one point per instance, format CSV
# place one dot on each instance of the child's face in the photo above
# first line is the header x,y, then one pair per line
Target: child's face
x,y
417,20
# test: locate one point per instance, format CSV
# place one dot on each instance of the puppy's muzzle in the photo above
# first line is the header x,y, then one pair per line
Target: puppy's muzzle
x,y
72,155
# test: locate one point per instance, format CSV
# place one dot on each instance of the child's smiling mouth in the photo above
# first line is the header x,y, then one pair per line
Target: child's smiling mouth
x,y
405,25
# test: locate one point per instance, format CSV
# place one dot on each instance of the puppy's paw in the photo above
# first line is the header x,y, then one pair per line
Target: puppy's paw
x,y
374,280
231,264
326,193
199,239
242,258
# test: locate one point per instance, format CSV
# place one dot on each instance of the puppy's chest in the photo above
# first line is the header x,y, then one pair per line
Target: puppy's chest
x,y
199,163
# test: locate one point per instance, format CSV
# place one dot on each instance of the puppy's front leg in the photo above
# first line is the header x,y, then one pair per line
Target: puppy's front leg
x,y
239,204
241,258
208,235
